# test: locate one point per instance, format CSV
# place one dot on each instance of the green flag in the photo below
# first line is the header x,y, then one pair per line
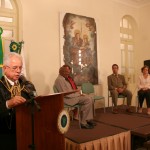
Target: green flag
x,y
1,53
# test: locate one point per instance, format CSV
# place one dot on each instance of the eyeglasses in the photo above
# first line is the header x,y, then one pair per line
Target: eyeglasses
x,y
14,68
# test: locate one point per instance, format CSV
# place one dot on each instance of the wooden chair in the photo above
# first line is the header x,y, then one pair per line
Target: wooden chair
x,y
88,88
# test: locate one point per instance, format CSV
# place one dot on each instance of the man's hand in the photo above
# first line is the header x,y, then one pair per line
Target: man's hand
x,y
80,91
17,100
120,90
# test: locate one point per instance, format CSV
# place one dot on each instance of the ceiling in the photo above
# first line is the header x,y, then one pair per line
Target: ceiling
x,y
135,3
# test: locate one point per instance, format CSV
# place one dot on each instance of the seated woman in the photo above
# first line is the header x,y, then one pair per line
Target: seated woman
x,y
144,89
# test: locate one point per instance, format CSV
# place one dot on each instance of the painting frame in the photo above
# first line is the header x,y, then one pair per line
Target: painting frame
x,y
78,42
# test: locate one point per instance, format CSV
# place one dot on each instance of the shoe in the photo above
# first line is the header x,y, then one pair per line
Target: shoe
x,y
140,110
86,126
91,123
115,111
129,110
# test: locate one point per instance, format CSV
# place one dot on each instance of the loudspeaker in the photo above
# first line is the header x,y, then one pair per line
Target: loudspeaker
x,y
147,62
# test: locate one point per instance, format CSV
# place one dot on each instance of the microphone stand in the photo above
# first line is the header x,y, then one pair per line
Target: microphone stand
x,y
33,104
32,94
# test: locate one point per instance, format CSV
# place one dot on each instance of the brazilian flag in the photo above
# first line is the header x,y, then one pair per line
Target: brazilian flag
x,y
1,53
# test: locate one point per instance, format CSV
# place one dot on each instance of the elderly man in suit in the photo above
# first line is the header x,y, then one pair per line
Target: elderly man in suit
x,y
117,85
64,83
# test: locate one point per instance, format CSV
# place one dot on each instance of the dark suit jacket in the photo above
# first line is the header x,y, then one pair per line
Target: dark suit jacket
x,y
116,82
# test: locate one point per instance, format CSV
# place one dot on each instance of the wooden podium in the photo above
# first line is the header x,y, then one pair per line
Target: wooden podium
x,y
46,134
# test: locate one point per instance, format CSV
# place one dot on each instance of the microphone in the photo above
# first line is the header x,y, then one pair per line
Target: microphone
x,y
29,85
31,91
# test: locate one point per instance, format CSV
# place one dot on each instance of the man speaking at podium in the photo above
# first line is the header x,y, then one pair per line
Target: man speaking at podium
x,y
13,92
63,84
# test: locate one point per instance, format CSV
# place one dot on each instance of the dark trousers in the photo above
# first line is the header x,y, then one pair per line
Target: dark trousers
x,y
144,95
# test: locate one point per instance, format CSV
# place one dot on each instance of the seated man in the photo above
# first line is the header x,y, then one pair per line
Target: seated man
x,y
117,85
64,83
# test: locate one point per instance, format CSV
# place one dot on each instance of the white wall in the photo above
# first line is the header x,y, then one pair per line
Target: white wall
x,y
40,28
144,31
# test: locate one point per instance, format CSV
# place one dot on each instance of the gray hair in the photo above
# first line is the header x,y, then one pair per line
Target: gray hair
x,y
7,58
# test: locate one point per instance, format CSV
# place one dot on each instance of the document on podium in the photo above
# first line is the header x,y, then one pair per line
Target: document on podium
x,y
67,93
64,93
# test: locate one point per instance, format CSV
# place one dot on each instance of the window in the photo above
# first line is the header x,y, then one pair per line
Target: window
x,y
9,24
127,48
9,19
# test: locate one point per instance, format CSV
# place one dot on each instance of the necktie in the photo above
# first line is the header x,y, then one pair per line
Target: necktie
x,y
73,85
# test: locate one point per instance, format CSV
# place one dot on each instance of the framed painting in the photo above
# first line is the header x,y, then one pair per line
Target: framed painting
x,y
79,47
